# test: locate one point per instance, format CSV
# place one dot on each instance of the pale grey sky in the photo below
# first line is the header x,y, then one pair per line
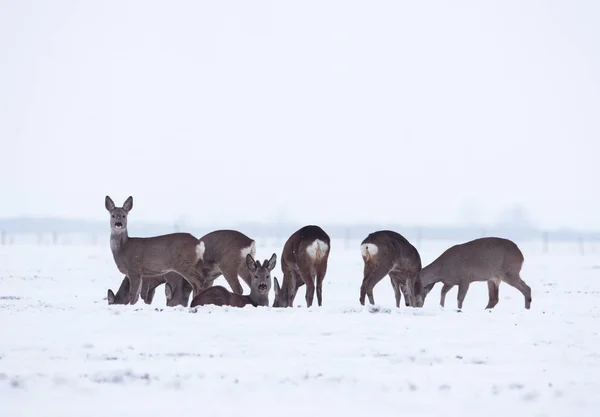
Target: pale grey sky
x,y
319,111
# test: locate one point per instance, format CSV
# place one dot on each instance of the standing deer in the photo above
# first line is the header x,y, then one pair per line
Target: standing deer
x,y
224,252
181,290
304,257
490,259
386,252
139,257
260,285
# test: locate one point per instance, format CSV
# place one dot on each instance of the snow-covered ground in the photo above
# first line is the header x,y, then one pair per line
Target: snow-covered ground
x,y
64,351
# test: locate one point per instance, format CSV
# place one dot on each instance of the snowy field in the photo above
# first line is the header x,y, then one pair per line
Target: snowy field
x,y
65,352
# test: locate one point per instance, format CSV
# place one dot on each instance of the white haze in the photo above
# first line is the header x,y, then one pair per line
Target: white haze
x,y
312,111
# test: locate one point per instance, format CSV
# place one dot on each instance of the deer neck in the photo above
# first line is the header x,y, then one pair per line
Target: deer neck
x,y
258,299
429,274
118,241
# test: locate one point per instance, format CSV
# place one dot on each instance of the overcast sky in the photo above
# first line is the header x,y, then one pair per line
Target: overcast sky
x,y
310,111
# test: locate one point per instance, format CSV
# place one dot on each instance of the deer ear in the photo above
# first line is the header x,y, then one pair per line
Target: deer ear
x,y
250,263
168,291
272,262
128,204
276,287
111,297
108,203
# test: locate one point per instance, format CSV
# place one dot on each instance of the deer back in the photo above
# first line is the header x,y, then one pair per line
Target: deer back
x,y
308,246
225,249
477,260
389,248
158,254
220,296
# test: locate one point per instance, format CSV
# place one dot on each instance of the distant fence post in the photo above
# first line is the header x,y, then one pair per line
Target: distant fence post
x,y
545,239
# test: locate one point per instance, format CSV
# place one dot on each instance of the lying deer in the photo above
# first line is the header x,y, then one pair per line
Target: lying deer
x,y
138,257
180,290
305,256
388,253
260,285
490,259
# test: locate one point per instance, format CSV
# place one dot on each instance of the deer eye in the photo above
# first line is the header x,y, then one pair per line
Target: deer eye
x,y
124,216
113,216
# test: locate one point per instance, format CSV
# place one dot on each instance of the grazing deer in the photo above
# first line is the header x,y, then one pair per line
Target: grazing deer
x,y
490,259
122,295
304,257
180,293
260,285
139,257
224,252
386,252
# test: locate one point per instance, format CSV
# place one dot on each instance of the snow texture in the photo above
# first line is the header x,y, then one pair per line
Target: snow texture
x,y
65,352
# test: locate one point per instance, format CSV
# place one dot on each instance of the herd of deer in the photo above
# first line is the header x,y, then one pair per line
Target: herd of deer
x,y
186,264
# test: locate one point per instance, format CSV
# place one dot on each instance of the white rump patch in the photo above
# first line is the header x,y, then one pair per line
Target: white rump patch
x,y
368,249
317,250
249,250
200,248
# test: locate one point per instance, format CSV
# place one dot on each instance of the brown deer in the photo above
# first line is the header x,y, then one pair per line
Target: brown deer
x,y
490,259
224,252
180,293
260,285
386,252
304,257
138,257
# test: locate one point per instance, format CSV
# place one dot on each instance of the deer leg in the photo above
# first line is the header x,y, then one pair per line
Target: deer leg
x,y
321,271
493,293
516,282
463,287
245,274
397,293
231,275
135,288
399,288
195,278
149,286
445,289
149,295
407,295
186,290
372,275
309,280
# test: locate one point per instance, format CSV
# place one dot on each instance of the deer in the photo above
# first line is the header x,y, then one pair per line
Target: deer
x,y
491,259
181,290
304,258
139,257
224,252
386,252
260,285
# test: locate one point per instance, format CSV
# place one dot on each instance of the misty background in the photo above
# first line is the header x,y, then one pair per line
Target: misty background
x,y
449,119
